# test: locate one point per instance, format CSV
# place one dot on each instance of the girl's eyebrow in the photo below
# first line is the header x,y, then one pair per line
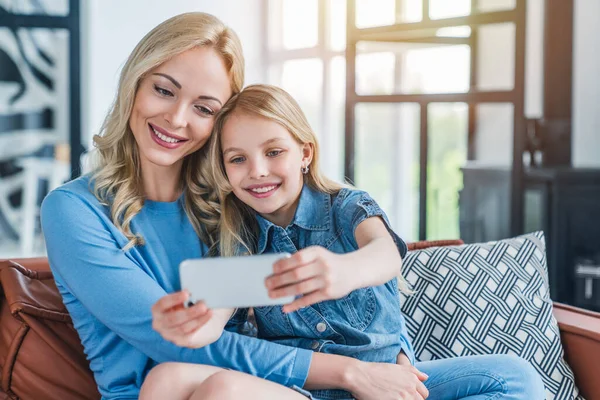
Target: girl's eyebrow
x,y
178,86
275,139
266,142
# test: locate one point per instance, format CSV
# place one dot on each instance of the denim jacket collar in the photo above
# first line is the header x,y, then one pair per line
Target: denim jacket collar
x,y
312,214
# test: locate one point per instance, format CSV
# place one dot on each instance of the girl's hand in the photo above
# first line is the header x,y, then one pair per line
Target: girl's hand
x,y
379,381
314,272
178,324
402,359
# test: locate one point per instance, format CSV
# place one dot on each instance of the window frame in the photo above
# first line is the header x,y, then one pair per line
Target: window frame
x,y
473,97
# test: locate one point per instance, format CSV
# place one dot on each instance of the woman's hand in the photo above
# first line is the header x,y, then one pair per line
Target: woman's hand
x,y
181,325
314,272
378,381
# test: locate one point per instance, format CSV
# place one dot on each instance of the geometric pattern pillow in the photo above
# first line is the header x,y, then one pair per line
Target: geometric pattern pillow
x,y
487,298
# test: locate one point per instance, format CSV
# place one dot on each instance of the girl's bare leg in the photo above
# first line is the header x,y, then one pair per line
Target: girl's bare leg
x,y
233,385
173,380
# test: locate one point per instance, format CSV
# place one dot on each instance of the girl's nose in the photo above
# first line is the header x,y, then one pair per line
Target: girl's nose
x,y
259,169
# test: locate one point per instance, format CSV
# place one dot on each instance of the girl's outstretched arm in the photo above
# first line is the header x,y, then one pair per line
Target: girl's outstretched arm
x,y
320,274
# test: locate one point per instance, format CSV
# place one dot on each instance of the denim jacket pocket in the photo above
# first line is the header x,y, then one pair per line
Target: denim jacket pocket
x,y
272,322
357,308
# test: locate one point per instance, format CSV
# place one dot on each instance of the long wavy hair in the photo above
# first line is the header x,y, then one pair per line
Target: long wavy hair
x,y
238,230
117,173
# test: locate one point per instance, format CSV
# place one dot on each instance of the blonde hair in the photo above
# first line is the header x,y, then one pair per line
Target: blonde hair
x,y
238,230
117,174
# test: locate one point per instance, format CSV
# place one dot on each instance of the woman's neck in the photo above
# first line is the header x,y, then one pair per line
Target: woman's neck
x,y
161,183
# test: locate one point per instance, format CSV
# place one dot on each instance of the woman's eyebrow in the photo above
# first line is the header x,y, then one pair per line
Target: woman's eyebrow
x,y
169,77
204,97
178,85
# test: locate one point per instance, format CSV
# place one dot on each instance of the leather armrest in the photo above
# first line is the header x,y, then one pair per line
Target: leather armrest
x,y
34,264
580,336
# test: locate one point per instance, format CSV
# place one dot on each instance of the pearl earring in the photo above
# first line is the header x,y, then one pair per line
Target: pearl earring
x,y
304,170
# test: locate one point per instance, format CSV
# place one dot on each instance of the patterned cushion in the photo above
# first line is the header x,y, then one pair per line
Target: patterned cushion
x,y
487,298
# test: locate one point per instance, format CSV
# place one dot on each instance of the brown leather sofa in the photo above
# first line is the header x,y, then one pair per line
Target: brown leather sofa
x,y
41,356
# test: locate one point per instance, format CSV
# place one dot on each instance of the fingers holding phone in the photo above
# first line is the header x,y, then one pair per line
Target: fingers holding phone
x,y
179,324
315,273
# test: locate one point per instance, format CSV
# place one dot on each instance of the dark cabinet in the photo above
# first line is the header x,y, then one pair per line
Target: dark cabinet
x,y
563,202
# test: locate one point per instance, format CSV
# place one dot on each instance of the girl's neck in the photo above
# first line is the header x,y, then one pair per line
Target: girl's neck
x,y
284,216
161,183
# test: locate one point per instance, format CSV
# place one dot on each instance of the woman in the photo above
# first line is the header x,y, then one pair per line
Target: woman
x,y
115,238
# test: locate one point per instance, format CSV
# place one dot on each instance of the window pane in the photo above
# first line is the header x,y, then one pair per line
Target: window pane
x,y
56,8
447,153
494,134
300,23
303,79
496,57
371,13
439,9
34,132
332,143
409,11
495,5
337,24
534,59
387,161
408,68
375,72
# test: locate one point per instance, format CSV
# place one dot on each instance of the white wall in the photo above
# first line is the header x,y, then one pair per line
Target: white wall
x,y
586,84
112,28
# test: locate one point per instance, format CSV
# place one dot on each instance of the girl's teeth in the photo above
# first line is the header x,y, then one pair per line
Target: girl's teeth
x,y
263,189
164,138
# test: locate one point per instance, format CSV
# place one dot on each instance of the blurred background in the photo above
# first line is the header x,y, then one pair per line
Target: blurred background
x,y
472,119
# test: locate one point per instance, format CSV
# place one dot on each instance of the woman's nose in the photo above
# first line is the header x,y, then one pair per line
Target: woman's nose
x,y
176,116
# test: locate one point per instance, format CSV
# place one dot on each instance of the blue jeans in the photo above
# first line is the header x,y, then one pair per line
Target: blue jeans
x,y
482,378
488,377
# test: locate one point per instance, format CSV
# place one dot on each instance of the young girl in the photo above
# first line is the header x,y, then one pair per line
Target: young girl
x,y
345,260
345,256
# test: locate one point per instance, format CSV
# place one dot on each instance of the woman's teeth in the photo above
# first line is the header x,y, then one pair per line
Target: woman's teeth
x,y
263,189
165,138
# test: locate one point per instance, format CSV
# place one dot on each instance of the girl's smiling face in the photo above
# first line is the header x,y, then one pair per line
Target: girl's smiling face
x,y
263,163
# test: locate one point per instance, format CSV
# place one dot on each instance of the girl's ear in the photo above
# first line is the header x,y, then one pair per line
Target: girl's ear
x,y
307,154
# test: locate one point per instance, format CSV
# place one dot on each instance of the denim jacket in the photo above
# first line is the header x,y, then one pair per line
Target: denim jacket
x,y
367,324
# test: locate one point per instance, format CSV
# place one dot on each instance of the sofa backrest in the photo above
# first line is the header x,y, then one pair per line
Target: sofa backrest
x,y
41,356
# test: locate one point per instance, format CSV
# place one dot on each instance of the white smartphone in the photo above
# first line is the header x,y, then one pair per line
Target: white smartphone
x,y
230,282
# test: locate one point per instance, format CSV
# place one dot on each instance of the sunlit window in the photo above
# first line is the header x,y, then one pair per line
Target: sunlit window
x,y
309,63
300,23
439,9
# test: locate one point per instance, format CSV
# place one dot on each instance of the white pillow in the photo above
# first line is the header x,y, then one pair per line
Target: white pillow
x,y
487,298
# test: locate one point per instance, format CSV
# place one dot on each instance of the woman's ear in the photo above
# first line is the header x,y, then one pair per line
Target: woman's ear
x,y
307,153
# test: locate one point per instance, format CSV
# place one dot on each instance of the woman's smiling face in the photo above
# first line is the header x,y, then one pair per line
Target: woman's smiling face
x,y
175,106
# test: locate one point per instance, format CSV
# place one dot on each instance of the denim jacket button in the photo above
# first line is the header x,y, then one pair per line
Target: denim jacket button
x,y
314,345
321,327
